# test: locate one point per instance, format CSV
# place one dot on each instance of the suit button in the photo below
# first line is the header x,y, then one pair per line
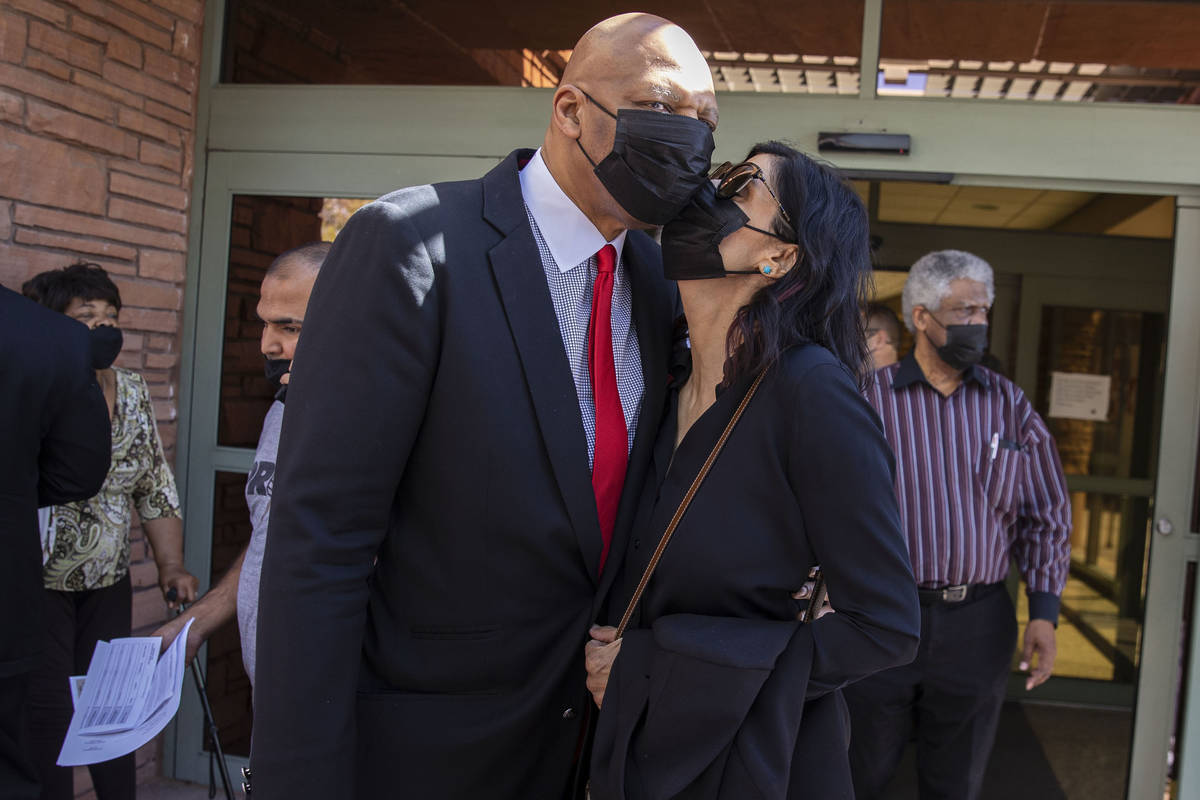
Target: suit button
x,y
637,543
569,714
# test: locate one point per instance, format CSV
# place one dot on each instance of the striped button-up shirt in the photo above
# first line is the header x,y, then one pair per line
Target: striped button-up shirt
x,y
978,480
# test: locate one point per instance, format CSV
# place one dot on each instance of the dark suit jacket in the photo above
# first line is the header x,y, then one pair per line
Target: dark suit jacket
x,y
432,424
750,694
54,448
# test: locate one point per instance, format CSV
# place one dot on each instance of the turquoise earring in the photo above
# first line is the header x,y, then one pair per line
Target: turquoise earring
x,y
766,270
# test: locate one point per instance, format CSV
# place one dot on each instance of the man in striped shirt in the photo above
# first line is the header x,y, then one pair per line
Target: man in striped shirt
x,y
980,484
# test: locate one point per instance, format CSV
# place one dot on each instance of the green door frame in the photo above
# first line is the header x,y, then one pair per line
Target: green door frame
x,y
1177,473
1152,294
229,174
358,140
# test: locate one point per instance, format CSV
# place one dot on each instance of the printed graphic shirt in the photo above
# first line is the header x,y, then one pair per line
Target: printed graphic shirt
x,y
259,485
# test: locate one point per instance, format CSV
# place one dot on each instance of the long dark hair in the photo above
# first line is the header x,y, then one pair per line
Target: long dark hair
x,y
820,298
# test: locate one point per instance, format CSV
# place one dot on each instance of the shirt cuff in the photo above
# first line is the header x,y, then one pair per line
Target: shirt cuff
x,y
1043,605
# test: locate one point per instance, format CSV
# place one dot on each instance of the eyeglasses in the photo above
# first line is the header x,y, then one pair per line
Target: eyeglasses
x,y
733,180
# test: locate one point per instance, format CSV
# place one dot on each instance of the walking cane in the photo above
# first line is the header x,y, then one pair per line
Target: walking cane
x,y
198,677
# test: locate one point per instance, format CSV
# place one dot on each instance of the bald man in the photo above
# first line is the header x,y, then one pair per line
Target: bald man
x,y
470,417
283,298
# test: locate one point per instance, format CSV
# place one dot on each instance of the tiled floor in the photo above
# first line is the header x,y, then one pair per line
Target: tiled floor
x,y
1046,752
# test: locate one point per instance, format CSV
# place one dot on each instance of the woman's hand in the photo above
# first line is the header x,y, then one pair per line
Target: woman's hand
x,y
599,655
804,592
183,582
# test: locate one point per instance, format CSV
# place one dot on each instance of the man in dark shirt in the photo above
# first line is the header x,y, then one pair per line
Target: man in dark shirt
x,y
979,483
56,448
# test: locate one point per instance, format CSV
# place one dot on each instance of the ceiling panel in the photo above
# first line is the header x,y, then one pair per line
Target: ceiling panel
x,y
1050,208
1156,221
986,207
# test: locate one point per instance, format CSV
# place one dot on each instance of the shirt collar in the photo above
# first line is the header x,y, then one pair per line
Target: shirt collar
x,y
909,372
570,235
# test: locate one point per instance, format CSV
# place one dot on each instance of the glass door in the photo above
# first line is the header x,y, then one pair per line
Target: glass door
x,y
256,206
1090,356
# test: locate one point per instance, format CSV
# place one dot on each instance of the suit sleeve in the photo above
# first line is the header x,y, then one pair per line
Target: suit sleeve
x,y
360,381
842,476
76,446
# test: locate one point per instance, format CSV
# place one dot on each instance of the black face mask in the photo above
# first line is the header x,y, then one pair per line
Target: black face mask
x,y
106,345
965,344
691,242
275,369
657,163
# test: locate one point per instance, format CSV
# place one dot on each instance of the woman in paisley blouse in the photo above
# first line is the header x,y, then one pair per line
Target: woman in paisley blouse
x,y
86,544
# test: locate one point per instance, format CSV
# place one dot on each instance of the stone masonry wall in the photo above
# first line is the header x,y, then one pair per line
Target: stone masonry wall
x,y
97,119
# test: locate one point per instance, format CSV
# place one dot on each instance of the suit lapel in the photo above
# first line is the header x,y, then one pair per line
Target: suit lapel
x,y
517,267
652,314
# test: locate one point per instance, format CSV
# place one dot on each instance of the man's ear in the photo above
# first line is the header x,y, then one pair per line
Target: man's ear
x,y
920,320
568,100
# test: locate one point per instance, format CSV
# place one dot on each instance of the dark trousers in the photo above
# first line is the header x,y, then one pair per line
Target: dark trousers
x,y
950,695
75,621
18,778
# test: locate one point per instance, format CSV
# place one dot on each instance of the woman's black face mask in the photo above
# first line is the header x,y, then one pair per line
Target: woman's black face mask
x,y
691,242
107,342
657,163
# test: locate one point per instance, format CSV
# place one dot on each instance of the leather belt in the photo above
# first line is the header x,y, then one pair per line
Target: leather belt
x,y
954,595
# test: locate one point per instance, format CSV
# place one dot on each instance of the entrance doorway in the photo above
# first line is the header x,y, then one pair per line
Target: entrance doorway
x,y
1079,302
1037,270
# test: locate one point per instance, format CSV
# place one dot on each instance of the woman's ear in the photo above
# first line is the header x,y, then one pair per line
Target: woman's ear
x,y
781,262
567,102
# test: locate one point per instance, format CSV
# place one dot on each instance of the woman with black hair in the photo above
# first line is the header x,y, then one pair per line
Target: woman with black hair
x,y
86,547
718,689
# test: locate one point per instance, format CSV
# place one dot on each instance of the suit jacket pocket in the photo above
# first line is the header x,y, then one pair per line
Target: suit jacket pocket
x,y
453,632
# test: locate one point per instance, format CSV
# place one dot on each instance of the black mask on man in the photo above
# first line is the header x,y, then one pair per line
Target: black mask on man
x,y
691,242
275,369
965,344
657,162
107,342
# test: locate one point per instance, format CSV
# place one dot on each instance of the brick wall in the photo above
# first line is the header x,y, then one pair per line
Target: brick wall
x,y
97,118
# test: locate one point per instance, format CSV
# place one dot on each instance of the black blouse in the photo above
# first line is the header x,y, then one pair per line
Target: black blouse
x,y
805,479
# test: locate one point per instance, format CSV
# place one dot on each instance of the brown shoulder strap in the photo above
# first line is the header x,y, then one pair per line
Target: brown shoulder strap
x,y
683,505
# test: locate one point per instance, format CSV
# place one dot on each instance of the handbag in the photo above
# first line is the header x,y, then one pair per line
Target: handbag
x,y
683,505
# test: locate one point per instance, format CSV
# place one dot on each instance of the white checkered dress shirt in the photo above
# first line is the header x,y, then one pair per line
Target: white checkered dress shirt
x,y
571,291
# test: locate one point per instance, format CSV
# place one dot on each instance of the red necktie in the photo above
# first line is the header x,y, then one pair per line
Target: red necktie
x,y
611,453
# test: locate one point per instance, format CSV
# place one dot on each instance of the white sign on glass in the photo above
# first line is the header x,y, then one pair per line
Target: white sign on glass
x,y
1078,395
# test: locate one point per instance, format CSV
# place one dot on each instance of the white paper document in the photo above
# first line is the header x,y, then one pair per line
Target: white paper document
x,y
76,682
1077,395
128,697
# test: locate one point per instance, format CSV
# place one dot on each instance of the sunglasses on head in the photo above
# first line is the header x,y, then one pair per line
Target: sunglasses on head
x,y
733,179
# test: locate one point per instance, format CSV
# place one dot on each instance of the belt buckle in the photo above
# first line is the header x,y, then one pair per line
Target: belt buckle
x,y
954,594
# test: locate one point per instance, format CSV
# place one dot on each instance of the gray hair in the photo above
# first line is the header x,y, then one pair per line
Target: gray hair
x,y
929,279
